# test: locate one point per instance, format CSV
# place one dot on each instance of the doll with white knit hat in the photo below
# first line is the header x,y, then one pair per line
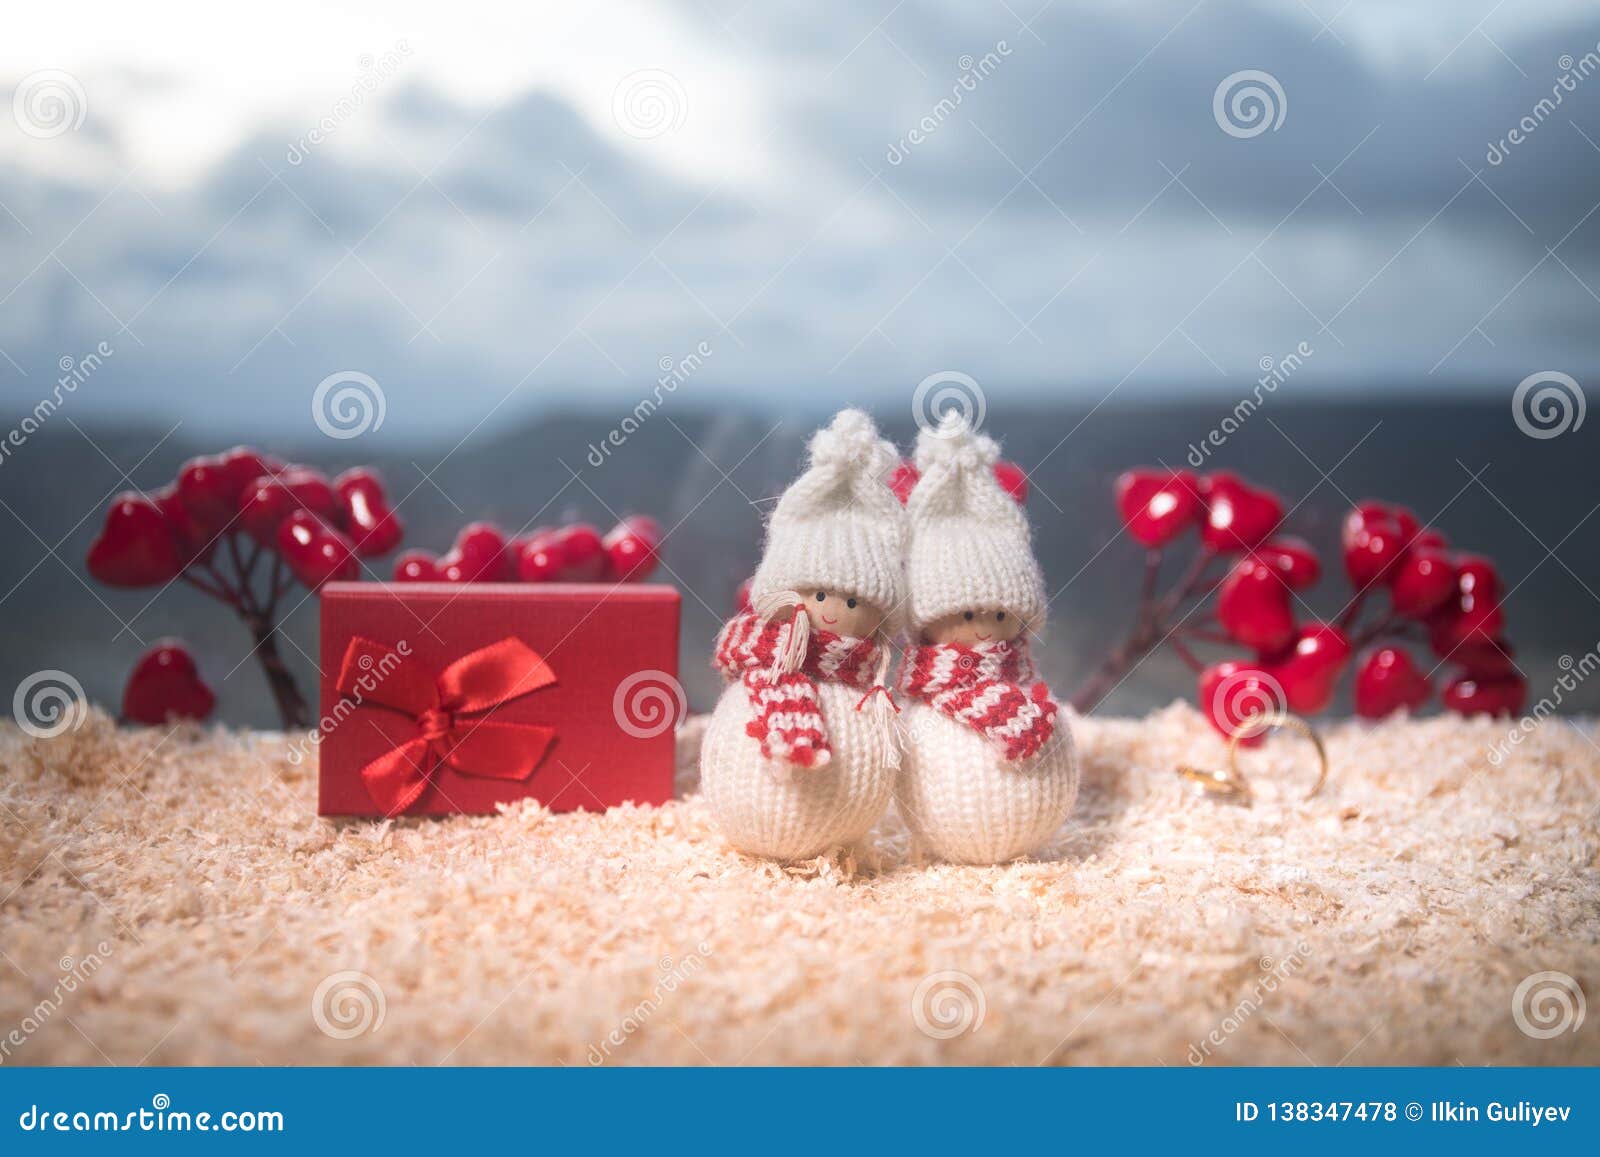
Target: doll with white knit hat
x,y
800,753
989,771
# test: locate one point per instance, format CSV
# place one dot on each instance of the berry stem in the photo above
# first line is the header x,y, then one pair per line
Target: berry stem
x,y
1185,654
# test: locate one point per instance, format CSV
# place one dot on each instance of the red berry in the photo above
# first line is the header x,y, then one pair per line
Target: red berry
x,y
1422,583
1294,560
315,552
210,488
416,566
364,506
1472,613
479,555
165,684
1157,505
1374,542
632,549
1232,692
583,554
264,505
1013,480
1386,681
244,464
1428,536
1471,695
136,547
539,559
902,479
1253,606
1310,672
1237,515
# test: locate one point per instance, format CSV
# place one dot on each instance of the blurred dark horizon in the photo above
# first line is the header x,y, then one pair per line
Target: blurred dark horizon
x,y
1461,463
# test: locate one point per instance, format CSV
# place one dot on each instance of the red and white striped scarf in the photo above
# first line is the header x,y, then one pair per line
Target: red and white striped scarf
x,y
992,688
788,715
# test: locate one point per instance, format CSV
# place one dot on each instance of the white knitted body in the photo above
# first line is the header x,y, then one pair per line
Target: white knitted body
x,y
772,808
964,802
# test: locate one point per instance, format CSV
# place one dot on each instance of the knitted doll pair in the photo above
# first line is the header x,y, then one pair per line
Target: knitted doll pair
x,y
808,745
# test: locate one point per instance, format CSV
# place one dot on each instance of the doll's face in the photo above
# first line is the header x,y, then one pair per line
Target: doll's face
x,y
842,613
969,628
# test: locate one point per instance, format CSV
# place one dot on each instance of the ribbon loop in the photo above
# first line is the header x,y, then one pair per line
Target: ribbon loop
x,y
449,712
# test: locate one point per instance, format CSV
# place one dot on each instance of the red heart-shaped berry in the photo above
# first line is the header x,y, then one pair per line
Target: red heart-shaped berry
x,y
1294,560
479,555
1422,583
538,558
373,527
1472,612
1233,692
1386,681
1471,695
1253,606
165,684
1237,515
1309,673
136,546
416,566
1157,505
583,554
270,498
315,552
1374,541
633,548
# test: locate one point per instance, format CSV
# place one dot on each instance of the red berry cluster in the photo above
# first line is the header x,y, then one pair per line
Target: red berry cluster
x,y
1295,665
226,520
575,553
1013,480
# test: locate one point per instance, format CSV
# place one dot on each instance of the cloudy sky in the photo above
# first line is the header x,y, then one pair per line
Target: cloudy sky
x,y
493,208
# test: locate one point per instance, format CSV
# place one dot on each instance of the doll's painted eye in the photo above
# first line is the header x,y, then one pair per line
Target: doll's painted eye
x,y
1000,616
968,616
851,603
822,596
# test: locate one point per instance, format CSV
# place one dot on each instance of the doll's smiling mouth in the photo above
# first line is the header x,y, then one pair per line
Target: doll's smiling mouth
x,y
983,638
829,621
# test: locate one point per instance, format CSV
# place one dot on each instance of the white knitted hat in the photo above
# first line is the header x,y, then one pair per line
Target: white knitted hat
x,y
970,544
839,526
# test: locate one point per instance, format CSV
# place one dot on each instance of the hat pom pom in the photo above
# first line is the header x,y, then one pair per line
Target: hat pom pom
x,y
851,443
954,444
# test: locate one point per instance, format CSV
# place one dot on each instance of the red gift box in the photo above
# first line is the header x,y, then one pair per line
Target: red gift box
x,y
442,698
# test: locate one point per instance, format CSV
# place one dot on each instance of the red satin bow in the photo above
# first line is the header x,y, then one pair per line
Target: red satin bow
x,y
447,711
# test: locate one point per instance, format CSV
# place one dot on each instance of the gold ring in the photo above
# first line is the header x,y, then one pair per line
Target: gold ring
x,y
1232,783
